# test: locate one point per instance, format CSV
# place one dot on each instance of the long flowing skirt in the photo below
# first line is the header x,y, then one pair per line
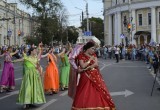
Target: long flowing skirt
x,y
31,91
64,76
89,97
51,79
72,82
7,78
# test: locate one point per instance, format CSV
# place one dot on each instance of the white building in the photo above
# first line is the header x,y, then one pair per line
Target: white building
x,y
82,39
142,15
15,24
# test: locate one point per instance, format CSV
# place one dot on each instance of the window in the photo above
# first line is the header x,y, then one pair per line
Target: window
x,y
125,21
124,1
140,19
116,1
159,17
149,18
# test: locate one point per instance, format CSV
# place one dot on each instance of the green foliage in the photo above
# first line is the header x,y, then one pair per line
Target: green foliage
x,y
50,19
96,26
32,40
72,34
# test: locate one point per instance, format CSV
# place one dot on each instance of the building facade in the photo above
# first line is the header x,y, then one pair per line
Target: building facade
x,y
83,39
131,21
15,24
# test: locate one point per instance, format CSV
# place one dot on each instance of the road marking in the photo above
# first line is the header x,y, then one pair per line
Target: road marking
x,y
64,93
18,79
47,104
9,94
21,68
126,93
130,66
104,65
14,69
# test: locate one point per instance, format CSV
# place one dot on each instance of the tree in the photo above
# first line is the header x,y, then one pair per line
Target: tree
x,y
51,16
43,8
96,27
72,34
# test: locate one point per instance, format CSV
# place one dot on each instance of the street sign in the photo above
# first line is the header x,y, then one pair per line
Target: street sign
x,y
9,33
87,33
122,36
133,27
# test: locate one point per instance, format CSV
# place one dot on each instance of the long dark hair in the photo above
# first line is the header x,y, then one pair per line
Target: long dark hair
x,y
50,48
30,50
10,47
88,45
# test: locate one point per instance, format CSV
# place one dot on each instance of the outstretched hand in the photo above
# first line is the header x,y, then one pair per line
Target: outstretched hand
x,y
40,44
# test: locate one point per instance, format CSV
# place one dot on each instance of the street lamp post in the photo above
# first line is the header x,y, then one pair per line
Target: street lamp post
x,y
81,20
130,22
87,15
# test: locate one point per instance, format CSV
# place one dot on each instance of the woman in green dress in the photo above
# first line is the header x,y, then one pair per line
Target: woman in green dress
x,y
31,91
64,69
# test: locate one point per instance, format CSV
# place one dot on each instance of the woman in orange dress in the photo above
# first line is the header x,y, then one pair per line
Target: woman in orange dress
x,y
91,92
51,77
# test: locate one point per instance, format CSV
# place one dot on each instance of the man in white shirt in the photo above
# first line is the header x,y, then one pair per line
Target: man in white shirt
x,y
110,52
116,49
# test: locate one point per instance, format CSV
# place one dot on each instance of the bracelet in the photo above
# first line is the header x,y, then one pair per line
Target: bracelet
x,y
88,62
39,48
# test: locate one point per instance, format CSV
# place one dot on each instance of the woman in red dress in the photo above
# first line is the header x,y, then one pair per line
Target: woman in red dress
x,y
91,93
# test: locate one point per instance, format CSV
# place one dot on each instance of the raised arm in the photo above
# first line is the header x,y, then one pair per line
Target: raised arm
x,y
39,50
55,58
14,52
43,56
18,60
2,55
68,51
61,52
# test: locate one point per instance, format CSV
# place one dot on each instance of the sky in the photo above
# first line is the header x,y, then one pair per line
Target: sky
x,y
95,9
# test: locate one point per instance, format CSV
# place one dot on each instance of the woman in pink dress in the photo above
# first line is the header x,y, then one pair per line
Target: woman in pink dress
x,y
7,78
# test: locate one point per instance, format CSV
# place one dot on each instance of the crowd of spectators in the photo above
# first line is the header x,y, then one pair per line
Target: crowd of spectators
x,y
150,54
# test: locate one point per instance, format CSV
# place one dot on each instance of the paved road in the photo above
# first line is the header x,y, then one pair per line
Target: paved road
x,y
129,83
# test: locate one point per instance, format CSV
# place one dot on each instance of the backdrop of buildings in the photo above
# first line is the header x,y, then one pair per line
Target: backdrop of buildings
x,y
131,21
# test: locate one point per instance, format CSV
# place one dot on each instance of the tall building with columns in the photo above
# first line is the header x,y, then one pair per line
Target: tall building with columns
x,y
15,24
131,21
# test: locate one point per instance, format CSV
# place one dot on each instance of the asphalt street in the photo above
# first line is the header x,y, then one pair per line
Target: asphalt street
x,y
129,83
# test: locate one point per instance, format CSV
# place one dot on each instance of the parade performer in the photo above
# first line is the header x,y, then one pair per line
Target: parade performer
x,y
73,70
74,76
64,68
91,91
51,77
31,91
7,78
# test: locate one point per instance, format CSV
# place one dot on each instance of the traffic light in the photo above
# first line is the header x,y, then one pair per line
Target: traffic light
x,y
19,33
129,27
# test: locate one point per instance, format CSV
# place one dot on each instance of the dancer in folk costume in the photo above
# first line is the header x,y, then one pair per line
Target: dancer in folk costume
x,y
91,91
74,70
73,76
31,91
64,67
7,78
51,77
